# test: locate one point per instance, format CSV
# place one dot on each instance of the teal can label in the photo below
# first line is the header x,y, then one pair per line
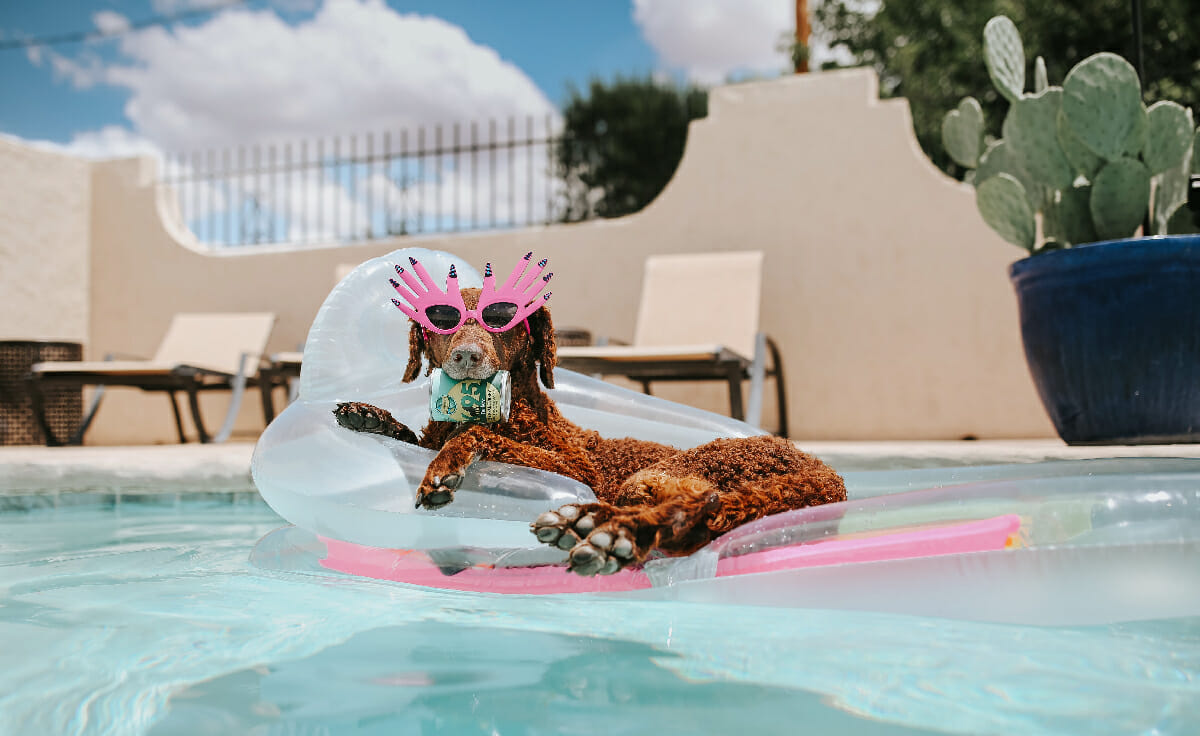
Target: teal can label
x,y
484,401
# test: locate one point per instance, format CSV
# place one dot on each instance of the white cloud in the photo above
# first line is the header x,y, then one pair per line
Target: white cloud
x,y
245,77
112,141
83,72
356,65
710,40
109,22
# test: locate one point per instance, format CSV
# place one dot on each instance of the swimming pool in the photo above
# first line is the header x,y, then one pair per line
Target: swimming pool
x,y
140,614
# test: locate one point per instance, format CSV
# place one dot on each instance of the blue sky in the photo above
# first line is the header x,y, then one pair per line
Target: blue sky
x,y
276,69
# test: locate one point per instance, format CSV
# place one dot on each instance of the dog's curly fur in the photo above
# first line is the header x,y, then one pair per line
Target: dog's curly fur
x,y
652,497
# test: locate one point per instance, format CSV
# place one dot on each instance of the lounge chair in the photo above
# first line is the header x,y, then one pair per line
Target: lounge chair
x,y
698,320
200,352
280,370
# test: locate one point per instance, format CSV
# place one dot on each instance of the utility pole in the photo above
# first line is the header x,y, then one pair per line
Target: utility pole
x,y
800,58
1139,60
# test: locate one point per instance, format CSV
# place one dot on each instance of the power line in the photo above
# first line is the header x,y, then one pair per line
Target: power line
x,y
84,36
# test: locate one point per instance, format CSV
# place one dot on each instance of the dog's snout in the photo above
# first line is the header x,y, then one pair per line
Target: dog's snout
x,y
469,360
467,356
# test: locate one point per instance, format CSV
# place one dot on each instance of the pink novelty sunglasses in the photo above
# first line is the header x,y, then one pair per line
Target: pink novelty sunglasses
x,y
498,310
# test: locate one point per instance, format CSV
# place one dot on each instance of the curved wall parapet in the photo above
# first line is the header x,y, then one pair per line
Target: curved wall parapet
x,y
885,290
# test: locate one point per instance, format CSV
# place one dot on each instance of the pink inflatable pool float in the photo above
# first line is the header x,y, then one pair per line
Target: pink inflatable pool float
x,y
416,567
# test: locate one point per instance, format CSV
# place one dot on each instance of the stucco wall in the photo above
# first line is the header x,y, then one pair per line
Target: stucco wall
x,y
887,293
45,208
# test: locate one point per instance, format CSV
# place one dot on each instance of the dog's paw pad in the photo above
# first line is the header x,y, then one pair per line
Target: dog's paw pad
x,y
547,527
355,417
359,417
604,552
439,491
568,541
595,547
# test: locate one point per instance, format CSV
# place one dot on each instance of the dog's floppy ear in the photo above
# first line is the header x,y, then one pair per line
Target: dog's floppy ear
x,y
416,347
541,329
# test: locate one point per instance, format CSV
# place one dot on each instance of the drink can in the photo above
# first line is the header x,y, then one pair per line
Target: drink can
x,y
484,401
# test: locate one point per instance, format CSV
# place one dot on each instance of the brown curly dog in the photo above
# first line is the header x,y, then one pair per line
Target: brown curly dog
x,y
651,496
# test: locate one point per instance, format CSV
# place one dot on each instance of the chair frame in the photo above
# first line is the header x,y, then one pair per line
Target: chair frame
x,y
189,380
724,365
280,370
158,375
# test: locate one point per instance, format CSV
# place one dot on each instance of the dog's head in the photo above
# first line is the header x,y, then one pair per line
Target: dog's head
x,y
473,352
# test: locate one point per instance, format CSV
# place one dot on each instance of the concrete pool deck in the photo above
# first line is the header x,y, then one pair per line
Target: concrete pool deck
x,y
226,467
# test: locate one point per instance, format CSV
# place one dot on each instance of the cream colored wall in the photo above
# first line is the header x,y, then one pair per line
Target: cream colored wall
x,y
887,293
45,206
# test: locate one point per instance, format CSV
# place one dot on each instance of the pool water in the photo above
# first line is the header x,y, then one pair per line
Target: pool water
x,y
142,615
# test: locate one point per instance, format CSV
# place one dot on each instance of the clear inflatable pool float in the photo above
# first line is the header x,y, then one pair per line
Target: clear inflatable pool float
x,y
1051,543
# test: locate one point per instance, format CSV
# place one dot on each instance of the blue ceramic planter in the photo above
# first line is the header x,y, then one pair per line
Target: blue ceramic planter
x,y
1112,338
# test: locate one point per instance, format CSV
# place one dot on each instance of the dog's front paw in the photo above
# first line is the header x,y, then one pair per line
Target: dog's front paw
x,y
596,546
360,417
438,490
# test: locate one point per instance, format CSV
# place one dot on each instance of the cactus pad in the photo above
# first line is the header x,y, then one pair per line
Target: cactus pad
x,y
1003,204
999,159
1068,218
1040,80
1102,101
1168,136
1196,153
1170,193
962,133
1083,161
1005,57
1031,129
1120,198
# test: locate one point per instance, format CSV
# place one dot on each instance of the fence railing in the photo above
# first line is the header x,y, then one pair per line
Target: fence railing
x,y
435,179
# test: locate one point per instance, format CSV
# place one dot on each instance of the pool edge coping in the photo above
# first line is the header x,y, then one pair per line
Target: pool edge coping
x,y
225,468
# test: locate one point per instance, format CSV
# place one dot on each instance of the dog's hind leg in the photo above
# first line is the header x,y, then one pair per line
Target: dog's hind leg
x,y
680,515
603,538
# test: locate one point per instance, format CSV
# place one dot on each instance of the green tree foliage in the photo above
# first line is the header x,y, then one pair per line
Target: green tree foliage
x,y
621,144
931,51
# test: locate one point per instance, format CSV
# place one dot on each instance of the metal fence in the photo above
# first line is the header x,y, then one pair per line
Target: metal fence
x,y
435,179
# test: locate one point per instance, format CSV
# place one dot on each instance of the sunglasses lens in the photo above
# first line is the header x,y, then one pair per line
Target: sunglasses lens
x,y
499,314
443,316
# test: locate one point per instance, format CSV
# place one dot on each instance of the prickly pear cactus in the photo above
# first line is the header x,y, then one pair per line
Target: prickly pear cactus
x,y
1082,160
1085,163
1102,101
1002,202
1067,218
1170,194
1171,214
1168,136
999,159
1031,129
1120,197
1040,80
962,133
1005,57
